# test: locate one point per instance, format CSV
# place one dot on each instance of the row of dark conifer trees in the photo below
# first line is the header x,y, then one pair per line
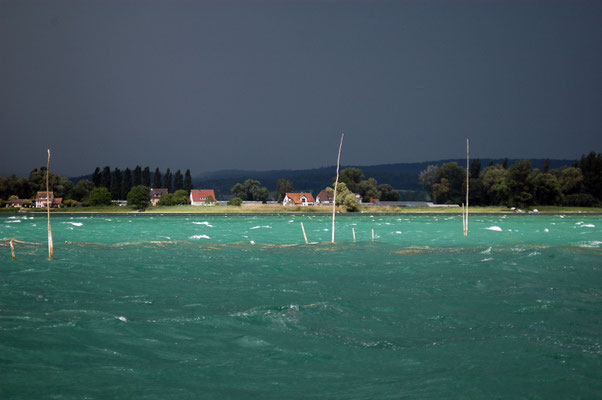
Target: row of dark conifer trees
x,y
120,182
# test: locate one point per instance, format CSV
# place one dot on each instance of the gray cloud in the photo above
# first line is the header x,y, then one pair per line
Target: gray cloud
x,y
267,84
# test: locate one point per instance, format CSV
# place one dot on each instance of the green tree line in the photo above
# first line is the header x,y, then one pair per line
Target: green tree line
x,y
517,185
350,183
118,183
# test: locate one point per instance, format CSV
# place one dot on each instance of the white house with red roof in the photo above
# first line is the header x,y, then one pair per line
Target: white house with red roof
x,y
43,198
198,197
298,199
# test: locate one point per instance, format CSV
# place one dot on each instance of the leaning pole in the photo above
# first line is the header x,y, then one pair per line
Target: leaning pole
x,y
50,245
467,187
336,183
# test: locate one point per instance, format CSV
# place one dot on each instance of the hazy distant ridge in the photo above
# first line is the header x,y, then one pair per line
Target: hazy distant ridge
x,y
402,176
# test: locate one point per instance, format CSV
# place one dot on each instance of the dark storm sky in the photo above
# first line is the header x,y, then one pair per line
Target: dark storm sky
x,y
210,85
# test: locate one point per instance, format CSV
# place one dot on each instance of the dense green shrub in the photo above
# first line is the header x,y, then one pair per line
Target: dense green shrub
x,y
100,197
236,201
139,197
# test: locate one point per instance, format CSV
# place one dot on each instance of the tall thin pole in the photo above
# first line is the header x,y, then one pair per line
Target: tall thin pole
x,y
463,220
12,249
304,235
50,245
467,187
336,183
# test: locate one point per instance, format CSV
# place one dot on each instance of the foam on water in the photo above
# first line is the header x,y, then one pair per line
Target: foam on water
x,y
199,237
74,223
206,223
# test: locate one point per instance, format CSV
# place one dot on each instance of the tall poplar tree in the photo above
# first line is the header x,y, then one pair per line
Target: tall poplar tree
x,y
282,187
591,167
126,183
178,181
167,181
137,176
105,179
475,168
146,177
96,177
116,184
187,181
157,179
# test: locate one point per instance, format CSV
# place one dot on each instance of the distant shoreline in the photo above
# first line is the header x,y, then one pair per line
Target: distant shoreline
x,y
254,209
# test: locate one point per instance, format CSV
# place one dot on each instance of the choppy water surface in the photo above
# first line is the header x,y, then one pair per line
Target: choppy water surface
x,y
205,306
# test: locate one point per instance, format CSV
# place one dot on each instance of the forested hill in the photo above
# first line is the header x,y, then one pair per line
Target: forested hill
x,y
402,176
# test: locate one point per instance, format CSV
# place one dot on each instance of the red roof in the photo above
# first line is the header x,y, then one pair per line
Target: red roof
x,y
202,194
43,196
296,197
57,200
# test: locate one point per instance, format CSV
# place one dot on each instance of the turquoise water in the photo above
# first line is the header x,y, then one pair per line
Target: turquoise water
x,y
238,307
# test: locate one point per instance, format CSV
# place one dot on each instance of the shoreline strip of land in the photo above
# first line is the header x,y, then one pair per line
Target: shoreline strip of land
x,y
279,209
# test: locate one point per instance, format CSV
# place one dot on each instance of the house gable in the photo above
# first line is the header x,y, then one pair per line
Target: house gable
x,y
324,198
198,197
43,198
301,199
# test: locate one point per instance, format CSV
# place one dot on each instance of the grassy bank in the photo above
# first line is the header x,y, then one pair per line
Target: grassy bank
x,y
243,209
96,209
277,208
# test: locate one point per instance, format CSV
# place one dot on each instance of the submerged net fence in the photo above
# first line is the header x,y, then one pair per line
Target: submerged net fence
x,y
22,247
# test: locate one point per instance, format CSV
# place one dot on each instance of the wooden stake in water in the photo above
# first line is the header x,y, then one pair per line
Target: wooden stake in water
x,y
467,187
336,183
372,235
353,231
304,235
12,249
463,220
50,245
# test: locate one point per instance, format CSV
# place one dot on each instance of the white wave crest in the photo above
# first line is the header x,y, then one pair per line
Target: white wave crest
x,y
206,223
588,226
74,223
261,226
494,228
199,237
